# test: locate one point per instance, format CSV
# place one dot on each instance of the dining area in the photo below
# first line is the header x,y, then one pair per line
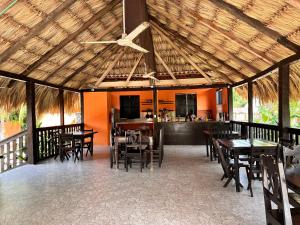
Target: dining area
x,y
136,146
275,165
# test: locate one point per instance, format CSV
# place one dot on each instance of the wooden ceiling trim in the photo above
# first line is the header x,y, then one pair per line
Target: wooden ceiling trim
x,y
36,30
187,58
111,65
216,46
257,25
133,69
71,37
166,67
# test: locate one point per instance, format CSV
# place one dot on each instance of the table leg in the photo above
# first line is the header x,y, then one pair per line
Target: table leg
x,y
116,155
236,172
92,146
151,155
81,148
207,150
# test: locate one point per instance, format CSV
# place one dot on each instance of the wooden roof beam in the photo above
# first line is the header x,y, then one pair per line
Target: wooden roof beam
x,y
257,25
85,65
35,30
228,35
224,33
111,66
295,3
187,58
199,49
133,69
166,67
216,46
99,36
71,37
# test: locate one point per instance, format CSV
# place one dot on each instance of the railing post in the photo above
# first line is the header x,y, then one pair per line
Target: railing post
x,y
32,145
283,101
250,107
61,107
230,103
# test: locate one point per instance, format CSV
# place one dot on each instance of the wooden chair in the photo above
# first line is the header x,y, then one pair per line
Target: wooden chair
x,y
66,145
159,152
254,163
228,165
291,158
275,194
134,150
89,143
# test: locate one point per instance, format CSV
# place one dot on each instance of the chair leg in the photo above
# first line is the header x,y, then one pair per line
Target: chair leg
x,y
223,177
228,181
249,176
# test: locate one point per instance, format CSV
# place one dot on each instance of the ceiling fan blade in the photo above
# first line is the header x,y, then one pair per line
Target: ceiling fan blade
x,y
150,74
139,29
154,78
137,47
98,42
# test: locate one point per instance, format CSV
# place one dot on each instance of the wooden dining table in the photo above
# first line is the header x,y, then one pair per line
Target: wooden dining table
x,y
214,133
292,176
243,147
122,139
81,135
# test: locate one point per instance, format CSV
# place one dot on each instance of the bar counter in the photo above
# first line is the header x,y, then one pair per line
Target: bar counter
x,y
185,133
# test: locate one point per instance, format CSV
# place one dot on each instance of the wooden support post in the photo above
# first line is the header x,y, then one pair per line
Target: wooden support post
x,y
230,103
136,12
250,106
61,107
82,107
283,100
32,145
155,104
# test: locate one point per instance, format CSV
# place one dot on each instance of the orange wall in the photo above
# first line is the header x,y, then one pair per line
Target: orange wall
x,y
96,115
97,106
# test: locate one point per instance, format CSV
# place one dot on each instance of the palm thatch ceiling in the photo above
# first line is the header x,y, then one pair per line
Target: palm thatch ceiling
x,y
195,41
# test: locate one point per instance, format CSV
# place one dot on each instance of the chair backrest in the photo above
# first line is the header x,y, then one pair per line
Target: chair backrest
x,y
224,163
133,137
274,187
63,138
291,157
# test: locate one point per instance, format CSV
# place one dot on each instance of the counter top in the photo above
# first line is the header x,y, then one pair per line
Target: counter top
x,y
135,121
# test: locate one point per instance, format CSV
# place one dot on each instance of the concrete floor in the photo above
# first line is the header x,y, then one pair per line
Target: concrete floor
x,y
186,190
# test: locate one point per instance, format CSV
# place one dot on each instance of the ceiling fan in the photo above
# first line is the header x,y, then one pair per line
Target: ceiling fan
x,y
127,39
149,75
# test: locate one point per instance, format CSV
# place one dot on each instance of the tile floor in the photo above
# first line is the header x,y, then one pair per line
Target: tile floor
x,y
186,190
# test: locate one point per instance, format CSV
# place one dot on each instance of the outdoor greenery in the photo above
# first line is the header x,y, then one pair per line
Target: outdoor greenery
x,y
238,101
268,113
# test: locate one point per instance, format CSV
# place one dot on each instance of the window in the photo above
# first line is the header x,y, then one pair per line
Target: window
x,y
130,107
185,104
219,97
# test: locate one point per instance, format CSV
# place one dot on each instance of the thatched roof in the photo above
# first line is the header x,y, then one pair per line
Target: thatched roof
x,y
41,40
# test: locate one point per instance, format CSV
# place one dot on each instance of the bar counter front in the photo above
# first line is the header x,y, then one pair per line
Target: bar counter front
x,y
186,133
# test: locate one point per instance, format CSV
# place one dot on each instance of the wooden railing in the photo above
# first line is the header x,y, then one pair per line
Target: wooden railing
x,y
258,130
13,151
47,137
294,135
264,131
